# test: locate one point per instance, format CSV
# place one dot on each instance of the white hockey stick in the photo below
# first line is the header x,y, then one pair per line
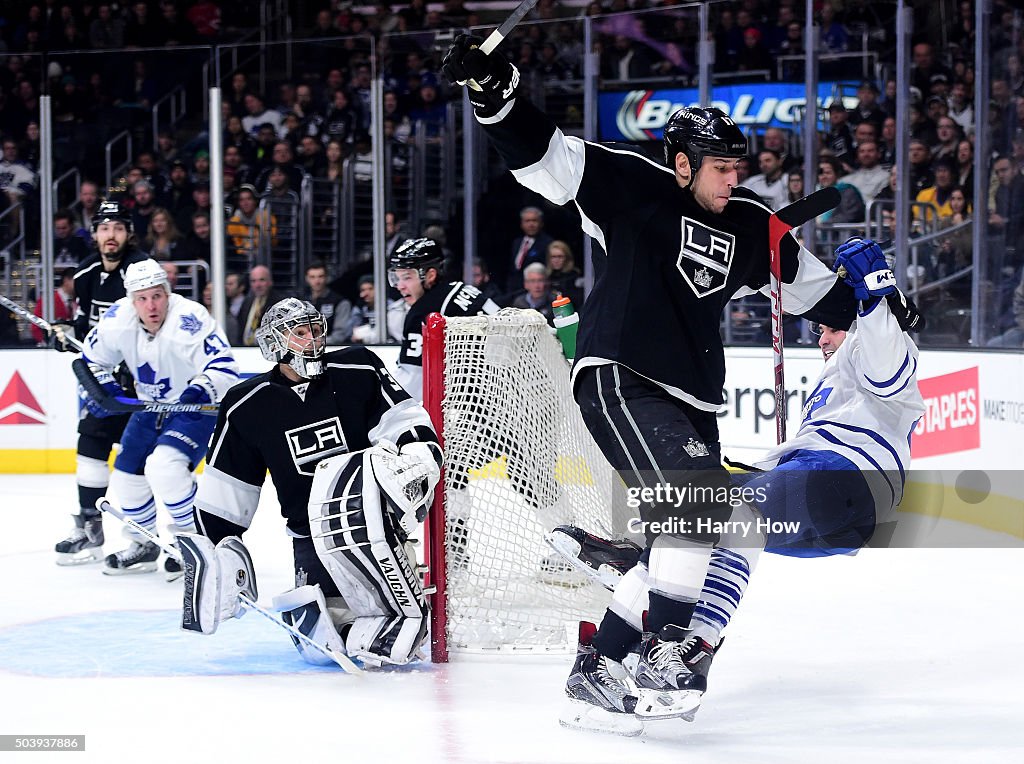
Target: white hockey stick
x,y
341,659
32,318
494,38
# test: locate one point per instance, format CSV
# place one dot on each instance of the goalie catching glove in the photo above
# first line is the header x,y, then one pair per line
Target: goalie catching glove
x,y
214,578
496,77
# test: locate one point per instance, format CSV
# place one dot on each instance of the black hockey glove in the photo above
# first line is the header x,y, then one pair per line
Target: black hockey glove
x,y
59,335
495,75
905,311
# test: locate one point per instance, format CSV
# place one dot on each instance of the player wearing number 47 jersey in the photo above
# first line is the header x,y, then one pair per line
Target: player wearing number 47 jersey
x,y
681,240
337,434
415,270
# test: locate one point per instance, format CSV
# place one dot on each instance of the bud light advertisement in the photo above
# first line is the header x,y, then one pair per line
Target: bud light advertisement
x,y
640,115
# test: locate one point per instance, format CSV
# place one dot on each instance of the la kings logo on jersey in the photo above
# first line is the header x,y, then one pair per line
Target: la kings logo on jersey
x,y
311,443
705,257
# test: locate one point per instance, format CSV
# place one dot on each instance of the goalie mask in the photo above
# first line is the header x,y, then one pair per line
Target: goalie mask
x,y
294,332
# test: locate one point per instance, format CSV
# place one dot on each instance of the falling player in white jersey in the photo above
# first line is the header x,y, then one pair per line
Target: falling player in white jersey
x,y
354,461
176,354
823,492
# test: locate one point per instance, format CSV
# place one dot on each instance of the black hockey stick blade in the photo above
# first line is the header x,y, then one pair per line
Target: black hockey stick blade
x,y
808,208
117,405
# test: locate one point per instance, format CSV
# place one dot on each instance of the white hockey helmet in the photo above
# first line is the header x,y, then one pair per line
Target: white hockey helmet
x,y
143,275
275,336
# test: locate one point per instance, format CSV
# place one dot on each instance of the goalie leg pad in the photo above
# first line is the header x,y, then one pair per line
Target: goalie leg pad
x,y
305,608
361,544
214,578
381,639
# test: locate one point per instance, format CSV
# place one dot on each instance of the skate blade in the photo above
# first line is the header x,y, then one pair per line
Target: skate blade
x,y
569,549
84,557
673,704
172,577
580,715
140,567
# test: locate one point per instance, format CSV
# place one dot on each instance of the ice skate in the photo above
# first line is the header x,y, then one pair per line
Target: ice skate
x,y
84,545
601,698
172,568
601,560
140,557
671,673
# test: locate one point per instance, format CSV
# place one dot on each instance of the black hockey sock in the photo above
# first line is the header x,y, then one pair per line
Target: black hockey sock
x,y
87,498
664,610
614,638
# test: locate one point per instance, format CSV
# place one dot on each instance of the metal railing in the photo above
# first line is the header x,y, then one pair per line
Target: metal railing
x,y
12,248
176,105
115,171
188,278
66,199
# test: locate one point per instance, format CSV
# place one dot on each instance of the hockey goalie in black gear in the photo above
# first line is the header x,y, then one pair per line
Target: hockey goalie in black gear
x,y
416,269
99,283
680,241
312,406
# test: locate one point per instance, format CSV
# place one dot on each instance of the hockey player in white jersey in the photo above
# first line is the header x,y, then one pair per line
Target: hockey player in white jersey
x,y
354,461
176,354
822,492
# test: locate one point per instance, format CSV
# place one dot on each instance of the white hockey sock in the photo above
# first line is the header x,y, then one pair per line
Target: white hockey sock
x,y
168,473
677,567
136,501
630,599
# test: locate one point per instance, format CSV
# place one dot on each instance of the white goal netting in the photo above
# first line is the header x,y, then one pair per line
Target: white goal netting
x,y
519,461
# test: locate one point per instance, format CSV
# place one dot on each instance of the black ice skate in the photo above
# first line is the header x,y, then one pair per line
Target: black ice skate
x,y
140,557
601,697
84,545
671,673
601,560
172,568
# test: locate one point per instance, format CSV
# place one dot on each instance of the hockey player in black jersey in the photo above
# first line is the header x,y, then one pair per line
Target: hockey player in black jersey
x,y
337,434
681,240
416,270
99,283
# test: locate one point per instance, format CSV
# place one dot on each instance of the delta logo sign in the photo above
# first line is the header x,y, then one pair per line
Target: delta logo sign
x,y
951,420
18,405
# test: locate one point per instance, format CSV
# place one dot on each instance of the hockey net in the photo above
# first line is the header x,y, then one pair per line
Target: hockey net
x,y
518,462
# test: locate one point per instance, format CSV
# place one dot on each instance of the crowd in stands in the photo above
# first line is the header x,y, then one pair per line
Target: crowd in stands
x,y
312,123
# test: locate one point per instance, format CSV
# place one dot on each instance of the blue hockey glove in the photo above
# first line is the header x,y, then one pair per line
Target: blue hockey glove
x,y
195,394
861,264
110,387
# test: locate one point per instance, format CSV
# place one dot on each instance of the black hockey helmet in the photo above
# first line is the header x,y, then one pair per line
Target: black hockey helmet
x,y
419,254
112,212
699,132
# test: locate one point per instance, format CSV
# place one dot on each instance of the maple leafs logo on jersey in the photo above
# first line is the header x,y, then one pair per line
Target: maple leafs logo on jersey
x,y
815,401
706,253
146,382
111,312
191,324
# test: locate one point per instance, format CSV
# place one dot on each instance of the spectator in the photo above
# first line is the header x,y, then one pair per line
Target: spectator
x,y
1006,208
179,191
257,115
965,168
334,161
237,138
770,183
482,281
204,16
925,68
864,132
162,237
871,177
960,107
342,120
171,269
261,296
887,143
311,156
283,158
754,56
146,161
938,194
64,304
851,203
144,206
200,168
833,35
363,323
795,187
68,248
16,180
1014,336
234,291
530,247
166,147
249,226
430,115
196,246
564,277
949,138
536,293
234,160
839,138
867,108
201,202
107,30
142,30
920,166
89,203
774,138
335,308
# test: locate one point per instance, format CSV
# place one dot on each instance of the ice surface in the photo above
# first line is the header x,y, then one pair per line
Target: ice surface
x,y
893,655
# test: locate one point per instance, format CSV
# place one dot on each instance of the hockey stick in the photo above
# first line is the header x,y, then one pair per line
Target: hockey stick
x,y
35,320
494,38
115,404
104,505
779,224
